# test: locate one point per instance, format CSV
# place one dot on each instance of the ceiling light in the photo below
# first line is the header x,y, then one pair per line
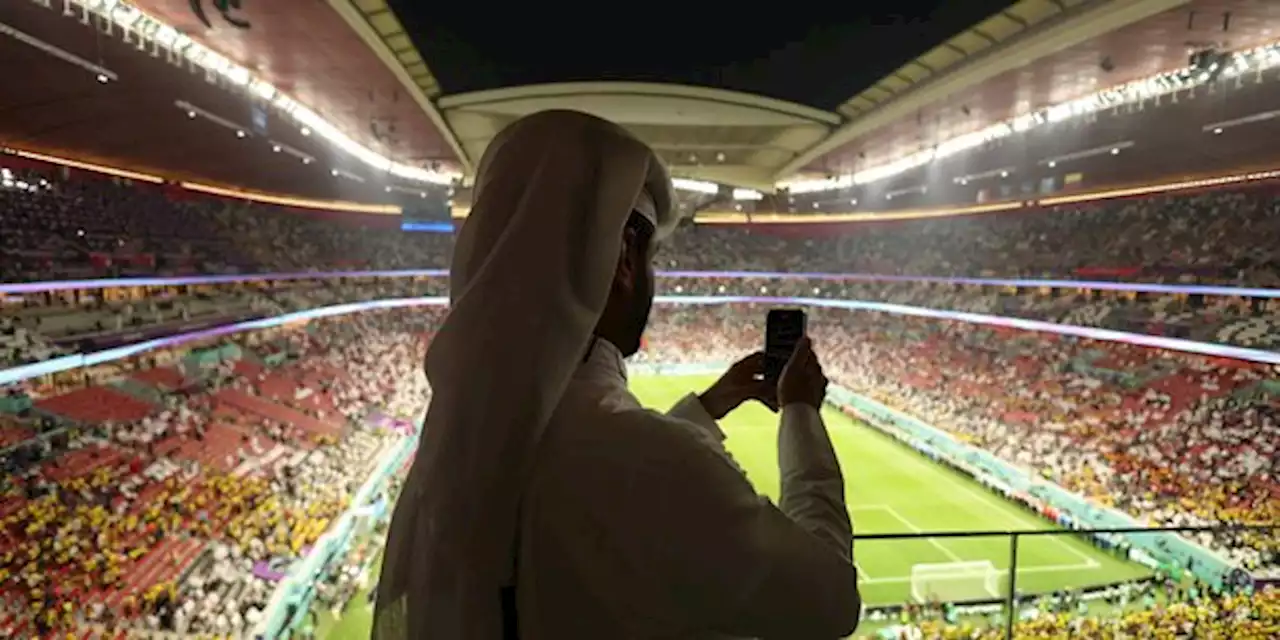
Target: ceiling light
x,y
306,131
103,78
1115,151
1217,131
191,114
1004,174
1053,163
275,148
333,172
239,133
306,160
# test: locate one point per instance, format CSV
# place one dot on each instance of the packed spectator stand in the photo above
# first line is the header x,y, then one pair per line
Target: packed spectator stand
x,y
1171,438
192,480
91,227
1212,236
150,504
82,226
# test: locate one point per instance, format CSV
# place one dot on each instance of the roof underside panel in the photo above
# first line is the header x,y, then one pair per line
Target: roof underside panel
x,y
305,48
1141,49
135,121
991,32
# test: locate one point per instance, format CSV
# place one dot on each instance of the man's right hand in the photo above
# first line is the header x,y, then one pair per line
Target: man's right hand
x,y
802,380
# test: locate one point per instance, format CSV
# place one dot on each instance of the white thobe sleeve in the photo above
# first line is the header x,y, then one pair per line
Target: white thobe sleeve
x,y
742,565
812,492
690,408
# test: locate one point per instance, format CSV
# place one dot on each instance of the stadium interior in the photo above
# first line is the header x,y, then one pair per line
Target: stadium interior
x,y
1041,263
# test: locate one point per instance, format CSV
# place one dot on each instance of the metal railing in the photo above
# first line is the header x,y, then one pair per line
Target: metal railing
x,y
1108,563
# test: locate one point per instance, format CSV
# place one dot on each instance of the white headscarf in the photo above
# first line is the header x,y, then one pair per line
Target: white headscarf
x,y
531,274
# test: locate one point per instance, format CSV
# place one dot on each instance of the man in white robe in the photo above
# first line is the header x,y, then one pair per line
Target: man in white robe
x,y
545,503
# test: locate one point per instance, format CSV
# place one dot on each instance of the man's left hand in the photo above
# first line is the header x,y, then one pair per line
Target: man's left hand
x,y
742,382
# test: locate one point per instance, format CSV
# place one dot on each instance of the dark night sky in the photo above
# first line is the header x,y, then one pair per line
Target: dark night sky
x,y
819,56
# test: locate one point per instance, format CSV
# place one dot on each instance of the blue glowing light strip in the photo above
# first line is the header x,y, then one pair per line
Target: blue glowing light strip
x,y
65,363
429,227
105,283
1134,287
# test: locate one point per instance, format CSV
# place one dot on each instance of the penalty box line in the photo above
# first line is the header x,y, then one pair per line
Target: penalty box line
x,y
987,500
1089,564
910,525
1056,568
863,576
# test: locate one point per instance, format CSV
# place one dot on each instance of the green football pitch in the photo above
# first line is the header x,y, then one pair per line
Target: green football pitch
x,y
889,489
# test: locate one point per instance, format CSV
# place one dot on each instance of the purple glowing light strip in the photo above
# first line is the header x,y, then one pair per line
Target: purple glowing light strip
x,y
75,361
1135,287
173,281
64,363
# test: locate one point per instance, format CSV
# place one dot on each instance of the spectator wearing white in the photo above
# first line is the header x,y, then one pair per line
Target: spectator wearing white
x,y
629,523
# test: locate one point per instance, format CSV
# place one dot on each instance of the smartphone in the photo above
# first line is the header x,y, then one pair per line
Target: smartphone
x,y
782,332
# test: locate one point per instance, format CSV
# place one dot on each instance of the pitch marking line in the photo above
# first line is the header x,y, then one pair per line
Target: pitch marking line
x,y
1042,569
911,525
985,500
862,573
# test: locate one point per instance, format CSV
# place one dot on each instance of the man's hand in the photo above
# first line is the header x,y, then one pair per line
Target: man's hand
x,y
742,382
802,380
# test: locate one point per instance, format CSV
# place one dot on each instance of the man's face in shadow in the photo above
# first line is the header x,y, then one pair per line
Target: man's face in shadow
x,y
631,298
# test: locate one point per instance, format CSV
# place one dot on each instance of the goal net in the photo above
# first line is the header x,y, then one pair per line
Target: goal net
x,y
955,581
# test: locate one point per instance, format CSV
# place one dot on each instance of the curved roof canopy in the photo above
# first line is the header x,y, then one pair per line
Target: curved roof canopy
x,y
703,134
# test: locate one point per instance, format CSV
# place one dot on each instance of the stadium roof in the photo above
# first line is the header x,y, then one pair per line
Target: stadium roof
x,y
703,134
409,96
147,86
1032,55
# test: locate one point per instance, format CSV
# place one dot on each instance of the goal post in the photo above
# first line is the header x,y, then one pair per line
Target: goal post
x,y
955,581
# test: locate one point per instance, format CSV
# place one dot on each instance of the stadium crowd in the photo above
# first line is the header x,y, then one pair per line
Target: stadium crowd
x,y
81,226
89,227
1170,438
167,499
146,496
1238,616
1207,237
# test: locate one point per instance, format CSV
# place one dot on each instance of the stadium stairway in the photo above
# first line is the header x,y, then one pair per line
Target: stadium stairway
x,y
220,443
165,562
275,411
96,404
265,461
249,369
139,390
166,379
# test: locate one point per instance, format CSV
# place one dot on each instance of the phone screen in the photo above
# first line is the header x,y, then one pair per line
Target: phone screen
x,y
783,330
